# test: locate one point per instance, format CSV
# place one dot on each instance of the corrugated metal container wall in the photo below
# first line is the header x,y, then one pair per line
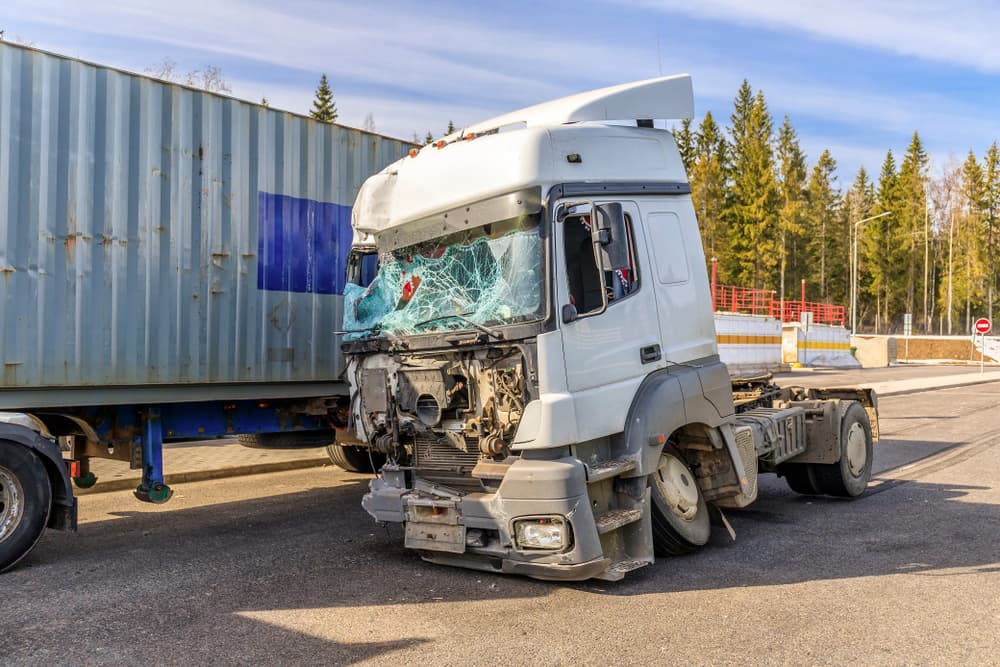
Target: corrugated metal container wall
x,y
155,234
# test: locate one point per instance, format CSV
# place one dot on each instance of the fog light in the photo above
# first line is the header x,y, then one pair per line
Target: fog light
x,y
540,533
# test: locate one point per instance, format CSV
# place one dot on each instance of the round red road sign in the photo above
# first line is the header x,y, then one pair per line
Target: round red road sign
x,y
983,325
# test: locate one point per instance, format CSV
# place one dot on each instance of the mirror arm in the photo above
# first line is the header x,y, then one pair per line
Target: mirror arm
x,y
599,261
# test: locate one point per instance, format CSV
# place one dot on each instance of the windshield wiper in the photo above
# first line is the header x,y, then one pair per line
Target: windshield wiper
x,y
462,316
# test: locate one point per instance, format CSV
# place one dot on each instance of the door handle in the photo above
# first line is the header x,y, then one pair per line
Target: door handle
x,y
649,354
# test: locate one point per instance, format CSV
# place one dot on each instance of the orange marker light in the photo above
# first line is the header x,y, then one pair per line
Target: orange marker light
x,y
440,143
470,136
413,152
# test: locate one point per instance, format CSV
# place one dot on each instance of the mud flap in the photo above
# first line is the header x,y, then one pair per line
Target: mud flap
x,y
434,525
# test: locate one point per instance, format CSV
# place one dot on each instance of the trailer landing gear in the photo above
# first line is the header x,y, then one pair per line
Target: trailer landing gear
x,y
156,493
82,477
152,489
85,481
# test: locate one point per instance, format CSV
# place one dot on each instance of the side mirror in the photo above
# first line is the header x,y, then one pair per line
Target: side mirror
x,y
569,313
610,234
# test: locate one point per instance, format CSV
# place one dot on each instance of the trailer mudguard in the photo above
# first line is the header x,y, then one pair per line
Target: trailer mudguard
x,y
27,431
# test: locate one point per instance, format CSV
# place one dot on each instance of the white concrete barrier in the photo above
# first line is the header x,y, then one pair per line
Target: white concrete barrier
x,y
818,345
748,344
875,351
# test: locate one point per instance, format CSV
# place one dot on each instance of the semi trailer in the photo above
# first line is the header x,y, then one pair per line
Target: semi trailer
x,y
536,359
172,264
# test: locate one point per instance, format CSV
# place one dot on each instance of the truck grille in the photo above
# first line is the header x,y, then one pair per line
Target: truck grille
x,y
437,461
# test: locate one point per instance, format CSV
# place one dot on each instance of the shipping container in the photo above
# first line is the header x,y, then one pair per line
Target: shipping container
x,y
160,242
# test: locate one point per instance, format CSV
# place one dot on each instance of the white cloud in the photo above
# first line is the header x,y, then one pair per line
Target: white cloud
x,y
961,32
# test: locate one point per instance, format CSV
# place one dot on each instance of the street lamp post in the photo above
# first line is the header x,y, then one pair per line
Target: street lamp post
x,y
854,271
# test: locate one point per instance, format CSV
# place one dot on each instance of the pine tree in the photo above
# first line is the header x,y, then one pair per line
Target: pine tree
x,y
859,204
970,282
991,218
450,130
822,215
752,207
911,216
876,237
685,143
324,109
791,189
429,139
707,174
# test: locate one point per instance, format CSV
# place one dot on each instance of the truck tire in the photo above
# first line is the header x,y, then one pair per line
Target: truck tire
x,y
799,478
848,477
25,502
286,440
679,513
355,459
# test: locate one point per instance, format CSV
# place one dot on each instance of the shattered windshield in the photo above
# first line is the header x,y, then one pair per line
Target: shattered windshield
x,y
488,276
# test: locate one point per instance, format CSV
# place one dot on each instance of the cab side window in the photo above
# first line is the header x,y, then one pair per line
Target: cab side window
x,y
584,280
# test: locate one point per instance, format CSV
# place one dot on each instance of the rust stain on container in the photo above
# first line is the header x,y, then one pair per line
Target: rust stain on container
x,y
10,373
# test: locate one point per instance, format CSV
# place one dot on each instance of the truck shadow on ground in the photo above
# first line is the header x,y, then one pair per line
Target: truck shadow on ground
x,y
910,527
224,576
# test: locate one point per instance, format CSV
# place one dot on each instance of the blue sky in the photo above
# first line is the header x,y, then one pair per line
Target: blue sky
x,y
857,77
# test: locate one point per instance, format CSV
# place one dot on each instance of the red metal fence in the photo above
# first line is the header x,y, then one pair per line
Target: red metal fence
x,y
730,299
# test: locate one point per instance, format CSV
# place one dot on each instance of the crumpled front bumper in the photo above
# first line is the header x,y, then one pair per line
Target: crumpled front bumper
x,y
437,521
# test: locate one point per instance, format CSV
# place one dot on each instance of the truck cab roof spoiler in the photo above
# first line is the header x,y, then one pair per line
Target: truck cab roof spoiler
x,y
667,97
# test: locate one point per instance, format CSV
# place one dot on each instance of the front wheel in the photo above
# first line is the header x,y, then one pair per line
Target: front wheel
x,y
679,513
25,502
849,477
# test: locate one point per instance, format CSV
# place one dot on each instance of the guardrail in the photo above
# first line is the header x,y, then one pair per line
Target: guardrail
x,y
750,301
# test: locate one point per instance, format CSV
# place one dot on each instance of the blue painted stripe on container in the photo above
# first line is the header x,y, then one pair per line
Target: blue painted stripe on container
x,y
302,244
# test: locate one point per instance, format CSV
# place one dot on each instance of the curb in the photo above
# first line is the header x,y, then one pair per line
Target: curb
x,y
964,383
130,483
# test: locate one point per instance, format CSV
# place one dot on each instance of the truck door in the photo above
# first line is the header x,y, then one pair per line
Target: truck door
x,y
606,355
677,279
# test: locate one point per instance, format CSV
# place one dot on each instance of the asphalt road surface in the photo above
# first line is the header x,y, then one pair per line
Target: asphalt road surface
x,y
287,568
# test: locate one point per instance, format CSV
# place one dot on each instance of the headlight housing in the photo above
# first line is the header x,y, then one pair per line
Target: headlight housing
x,y
543,533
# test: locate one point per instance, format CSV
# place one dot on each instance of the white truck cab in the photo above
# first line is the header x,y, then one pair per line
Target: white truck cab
x,y
536,361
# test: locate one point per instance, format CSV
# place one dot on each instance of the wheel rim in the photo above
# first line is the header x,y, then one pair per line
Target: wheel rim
x,y
677,486
11,503
857,449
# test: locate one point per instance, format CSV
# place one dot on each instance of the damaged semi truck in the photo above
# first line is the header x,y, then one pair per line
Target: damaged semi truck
x,y
536,357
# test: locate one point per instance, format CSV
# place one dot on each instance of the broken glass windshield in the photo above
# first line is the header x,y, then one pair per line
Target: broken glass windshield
x,y
490,276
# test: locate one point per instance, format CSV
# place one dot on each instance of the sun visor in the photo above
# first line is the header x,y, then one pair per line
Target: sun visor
x,y
517,204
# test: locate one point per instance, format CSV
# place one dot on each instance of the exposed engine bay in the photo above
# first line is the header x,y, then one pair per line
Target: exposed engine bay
x,y
449,417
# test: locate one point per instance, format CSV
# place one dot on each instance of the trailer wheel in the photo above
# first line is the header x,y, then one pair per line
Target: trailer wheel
x,y
355,459
798,478
849,477
679,514
25,502
286,440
